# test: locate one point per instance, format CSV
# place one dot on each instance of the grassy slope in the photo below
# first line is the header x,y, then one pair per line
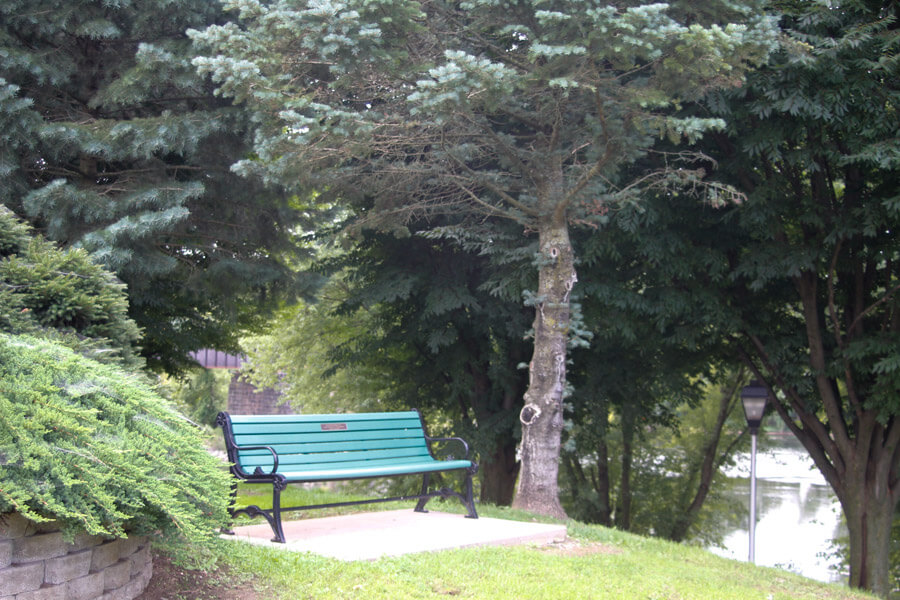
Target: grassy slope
x,y
598,563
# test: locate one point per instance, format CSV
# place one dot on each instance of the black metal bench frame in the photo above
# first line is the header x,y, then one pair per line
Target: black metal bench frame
x,y
280,482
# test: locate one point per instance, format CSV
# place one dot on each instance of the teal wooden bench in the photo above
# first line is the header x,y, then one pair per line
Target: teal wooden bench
x,y
284,449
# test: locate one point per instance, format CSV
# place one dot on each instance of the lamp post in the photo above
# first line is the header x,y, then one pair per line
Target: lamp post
x,y
754,397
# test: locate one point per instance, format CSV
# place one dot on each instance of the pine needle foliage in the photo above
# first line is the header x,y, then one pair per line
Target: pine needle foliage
x,y
110,141
95,448
63,294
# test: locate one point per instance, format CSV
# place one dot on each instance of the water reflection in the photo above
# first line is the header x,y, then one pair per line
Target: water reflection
x,y
798,514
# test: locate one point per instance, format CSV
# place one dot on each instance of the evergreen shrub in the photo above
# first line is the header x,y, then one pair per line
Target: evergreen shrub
x,y
62,293
94,447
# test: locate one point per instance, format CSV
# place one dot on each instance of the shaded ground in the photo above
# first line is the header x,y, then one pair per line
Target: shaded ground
x,y
171,582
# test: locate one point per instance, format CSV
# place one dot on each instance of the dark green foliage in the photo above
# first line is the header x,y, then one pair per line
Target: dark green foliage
x,y
111,142
415,322
654,353
800,279
62,293
813,141
97,449
202,394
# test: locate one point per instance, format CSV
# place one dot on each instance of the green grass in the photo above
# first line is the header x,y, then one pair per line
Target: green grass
x,y
596,563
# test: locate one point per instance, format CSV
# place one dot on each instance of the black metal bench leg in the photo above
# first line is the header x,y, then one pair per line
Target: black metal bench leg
x,y
470,499
231,504
276,512
424,498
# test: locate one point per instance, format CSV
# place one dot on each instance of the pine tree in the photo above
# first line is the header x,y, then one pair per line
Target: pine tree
x,y
111,142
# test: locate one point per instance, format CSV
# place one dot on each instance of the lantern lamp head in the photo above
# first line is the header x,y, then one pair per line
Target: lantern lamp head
x,y
754,397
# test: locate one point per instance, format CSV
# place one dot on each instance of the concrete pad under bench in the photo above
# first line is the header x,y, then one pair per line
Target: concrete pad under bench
x,y
368,536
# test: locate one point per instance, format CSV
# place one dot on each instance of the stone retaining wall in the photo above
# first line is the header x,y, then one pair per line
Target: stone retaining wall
x,y
37,564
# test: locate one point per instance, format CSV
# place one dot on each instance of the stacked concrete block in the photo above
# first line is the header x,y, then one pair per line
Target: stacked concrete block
x,y
37,563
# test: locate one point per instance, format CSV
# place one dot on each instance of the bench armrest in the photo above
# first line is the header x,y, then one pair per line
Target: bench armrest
x,y
449,439
259,470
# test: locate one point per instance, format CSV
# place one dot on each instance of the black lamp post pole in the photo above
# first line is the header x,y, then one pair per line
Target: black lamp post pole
x,y
753,397
752,553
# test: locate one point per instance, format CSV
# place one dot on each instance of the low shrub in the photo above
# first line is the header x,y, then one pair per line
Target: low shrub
x,y
94,447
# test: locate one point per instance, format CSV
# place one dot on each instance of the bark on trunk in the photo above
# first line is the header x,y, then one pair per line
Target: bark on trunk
x,y
542,415
623,503
869,514
601,483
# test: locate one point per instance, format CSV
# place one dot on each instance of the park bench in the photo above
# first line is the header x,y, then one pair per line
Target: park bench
x,y
284,449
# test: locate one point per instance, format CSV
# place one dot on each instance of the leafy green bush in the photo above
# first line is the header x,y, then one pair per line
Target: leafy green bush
x,y
95,448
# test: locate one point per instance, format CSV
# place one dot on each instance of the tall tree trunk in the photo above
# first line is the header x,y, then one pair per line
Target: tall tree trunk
x,y
869,512
498,474
542,415
709,464
623,503
601,482
866,486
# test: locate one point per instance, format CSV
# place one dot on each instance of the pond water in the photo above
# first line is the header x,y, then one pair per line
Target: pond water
x,y
798,515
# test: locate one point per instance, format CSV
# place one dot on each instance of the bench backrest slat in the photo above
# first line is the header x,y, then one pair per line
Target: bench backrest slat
x,y
328,418
339,446
372,437
285,426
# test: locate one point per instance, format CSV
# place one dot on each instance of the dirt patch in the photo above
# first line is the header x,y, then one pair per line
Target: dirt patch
x,y
571,547
171,582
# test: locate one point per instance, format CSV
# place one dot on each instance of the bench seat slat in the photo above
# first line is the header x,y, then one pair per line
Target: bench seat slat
x,y
333,457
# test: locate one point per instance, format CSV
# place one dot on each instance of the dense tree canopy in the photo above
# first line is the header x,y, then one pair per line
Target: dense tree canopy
x,y
814,143
800,280
498,126
111,142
